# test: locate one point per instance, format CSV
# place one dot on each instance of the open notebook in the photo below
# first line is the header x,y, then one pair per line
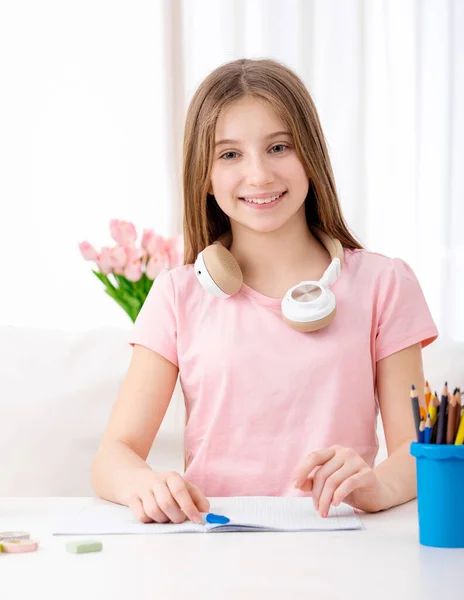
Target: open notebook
x,y
242,513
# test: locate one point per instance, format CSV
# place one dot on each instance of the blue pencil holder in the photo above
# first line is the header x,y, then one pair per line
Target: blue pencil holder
x,y
440,493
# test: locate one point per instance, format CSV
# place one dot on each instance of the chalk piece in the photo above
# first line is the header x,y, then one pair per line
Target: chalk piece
x,y
19,546
84,546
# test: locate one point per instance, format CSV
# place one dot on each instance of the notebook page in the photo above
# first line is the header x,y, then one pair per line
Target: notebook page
x,y
280,513
283,513
102,517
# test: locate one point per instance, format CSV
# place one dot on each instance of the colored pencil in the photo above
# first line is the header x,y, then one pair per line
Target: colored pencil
x,y
415,410
452,417
443,422
433,406
458,417
428,430
433,437
422,432
460,435
422,405
427,394
442,417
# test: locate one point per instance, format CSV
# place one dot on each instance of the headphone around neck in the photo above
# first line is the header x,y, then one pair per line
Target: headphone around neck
x,y
306,307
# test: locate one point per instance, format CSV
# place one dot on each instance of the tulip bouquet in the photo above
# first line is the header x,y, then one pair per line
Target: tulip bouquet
x,y
128,271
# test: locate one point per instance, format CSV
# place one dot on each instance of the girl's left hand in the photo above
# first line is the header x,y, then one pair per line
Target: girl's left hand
x,y
341,476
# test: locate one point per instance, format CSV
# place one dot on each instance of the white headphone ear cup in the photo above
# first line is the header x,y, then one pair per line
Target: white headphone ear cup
x,y
222,269
308,315
205,279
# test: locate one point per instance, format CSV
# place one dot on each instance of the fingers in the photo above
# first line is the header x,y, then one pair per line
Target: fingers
x,y
328,486
165,497
322,475
310,462
136,506
307,485
181,490
201,502
169,498
146,509
348,487
152,508
331,475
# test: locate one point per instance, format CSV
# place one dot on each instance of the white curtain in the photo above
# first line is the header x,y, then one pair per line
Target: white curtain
x,y
92,110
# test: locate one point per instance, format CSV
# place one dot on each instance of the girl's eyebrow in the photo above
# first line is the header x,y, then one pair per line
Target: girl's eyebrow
x,y
267,137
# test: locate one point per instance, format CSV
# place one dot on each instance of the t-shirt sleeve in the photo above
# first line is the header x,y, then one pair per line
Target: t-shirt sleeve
x,y
156,325
404,317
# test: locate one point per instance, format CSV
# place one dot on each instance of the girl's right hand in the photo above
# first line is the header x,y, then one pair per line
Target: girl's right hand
x,y
163,496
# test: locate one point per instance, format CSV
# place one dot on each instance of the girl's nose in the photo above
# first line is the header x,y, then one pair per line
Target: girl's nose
x,y
259,173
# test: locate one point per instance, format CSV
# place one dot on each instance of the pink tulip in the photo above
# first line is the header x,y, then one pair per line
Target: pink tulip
x,y
156,264
88,251
104,261
133,270
146,236
154,244
118,259
123,232
133,253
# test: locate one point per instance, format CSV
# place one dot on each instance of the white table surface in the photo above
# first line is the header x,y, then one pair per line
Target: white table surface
x,y
383,560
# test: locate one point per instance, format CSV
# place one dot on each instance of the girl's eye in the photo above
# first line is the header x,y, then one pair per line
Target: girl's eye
x,y
231,155
224,156
279,146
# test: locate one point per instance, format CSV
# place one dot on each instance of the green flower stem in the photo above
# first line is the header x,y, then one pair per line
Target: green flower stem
x,y
129,295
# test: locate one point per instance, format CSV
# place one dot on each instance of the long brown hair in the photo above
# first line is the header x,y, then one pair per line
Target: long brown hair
x,y
285,92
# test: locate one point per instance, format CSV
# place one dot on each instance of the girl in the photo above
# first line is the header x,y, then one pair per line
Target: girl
x,y
282,384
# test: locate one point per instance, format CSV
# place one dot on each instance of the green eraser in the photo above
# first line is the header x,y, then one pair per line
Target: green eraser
x,y
84,546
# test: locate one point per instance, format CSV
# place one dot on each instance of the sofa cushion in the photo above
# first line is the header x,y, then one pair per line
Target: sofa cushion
x,y
56,393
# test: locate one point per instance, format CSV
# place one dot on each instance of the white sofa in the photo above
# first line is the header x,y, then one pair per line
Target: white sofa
x,y
56,393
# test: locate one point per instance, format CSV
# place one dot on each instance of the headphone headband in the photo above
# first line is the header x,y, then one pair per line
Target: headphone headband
x,y
307,306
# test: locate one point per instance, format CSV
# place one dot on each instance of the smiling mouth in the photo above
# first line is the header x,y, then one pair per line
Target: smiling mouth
x,y
269,200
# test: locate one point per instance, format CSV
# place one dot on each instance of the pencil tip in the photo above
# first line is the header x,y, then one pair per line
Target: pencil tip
x,y
413,387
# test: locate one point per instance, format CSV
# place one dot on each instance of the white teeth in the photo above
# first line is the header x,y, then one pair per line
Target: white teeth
x,y
263,200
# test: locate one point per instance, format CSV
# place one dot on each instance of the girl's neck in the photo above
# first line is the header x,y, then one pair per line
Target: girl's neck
x,y
271,261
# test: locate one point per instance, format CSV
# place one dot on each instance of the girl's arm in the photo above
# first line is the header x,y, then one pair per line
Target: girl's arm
x,y
135,419
395,374
343,476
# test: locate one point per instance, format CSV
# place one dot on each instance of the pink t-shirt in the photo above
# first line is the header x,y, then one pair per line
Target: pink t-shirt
x,y
259,396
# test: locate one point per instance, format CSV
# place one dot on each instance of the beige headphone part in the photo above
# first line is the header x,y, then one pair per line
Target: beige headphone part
x,y
223,268
226,272
333,245
312,326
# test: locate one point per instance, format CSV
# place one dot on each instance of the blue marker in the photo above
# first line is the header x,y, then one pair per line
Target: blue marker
x,y
212,518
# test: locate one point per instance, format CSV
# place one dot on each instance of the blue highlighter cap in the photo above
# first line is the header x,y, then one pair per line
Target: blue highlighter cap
x,y
212,518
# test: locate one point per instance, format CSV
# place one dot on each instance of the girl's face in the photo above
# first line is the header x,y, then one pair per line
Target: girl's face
x,y
257,177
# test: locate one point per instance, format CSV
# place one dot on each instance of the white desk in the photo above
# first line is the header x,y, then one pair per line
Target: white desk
x,y
382,561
